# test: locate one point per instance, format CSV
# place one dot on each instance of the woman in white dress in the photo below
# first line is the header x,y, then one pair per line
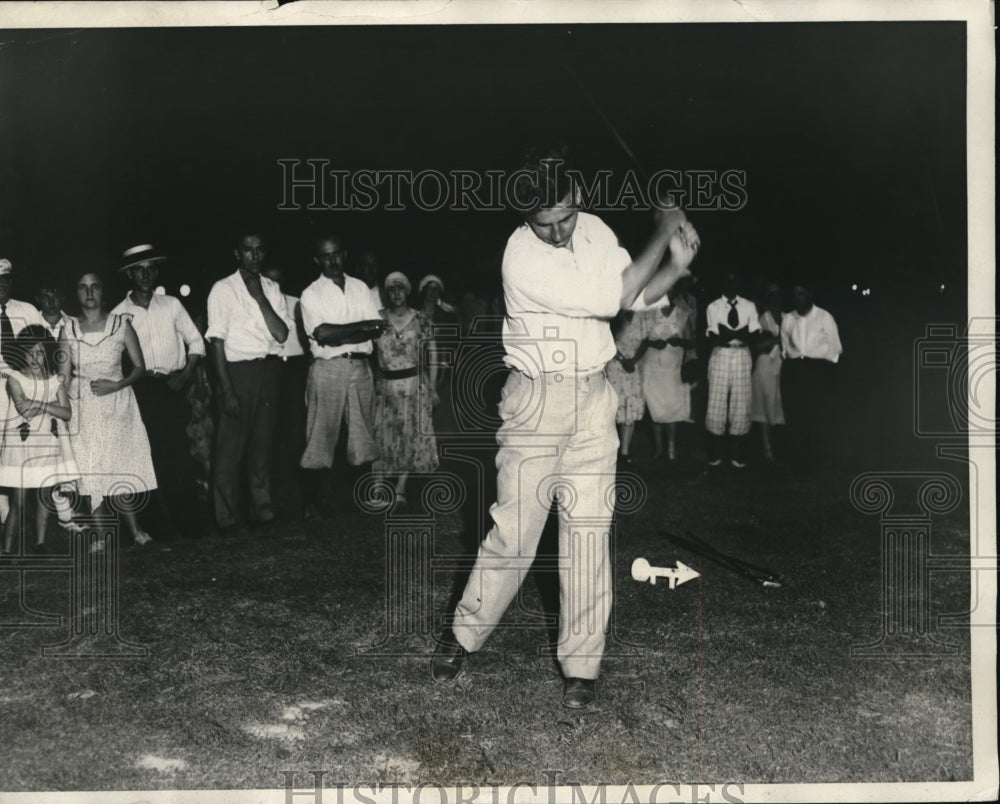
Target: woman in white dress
x,y
669,332
109,438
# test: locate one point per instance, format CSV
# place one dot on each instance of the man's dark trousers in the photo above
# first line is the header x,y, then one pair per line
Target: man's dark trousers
x,y
248,435
807,395
166,415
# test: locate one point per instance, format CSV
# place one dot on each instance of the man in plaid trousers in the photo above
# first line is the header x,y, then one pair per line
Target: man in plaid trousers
x,y
732,324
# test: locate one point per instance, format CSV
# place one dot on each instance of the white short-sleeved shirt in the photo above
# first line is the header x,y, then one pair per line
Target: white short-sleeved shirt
x,y
718,313
560,301
292,345
165,330
323,302
813,335
56,328
235,318
21,315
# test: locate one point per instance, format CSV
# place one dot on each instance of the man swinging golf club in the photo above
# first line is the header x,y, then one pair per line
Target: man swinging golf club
x,y
564,277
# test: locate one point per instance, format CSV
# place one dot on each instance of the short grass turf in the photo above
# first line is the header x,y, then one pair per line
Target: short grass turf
x,y
260,661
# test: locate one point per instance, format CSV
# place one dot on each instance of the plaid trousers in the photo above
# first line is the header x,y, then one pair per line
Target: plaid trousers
x,y
336,389
728,391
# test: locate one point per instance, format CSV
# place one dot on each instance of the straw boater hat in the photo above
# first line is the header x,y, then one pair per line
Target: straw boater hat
x,y
5,267
140,254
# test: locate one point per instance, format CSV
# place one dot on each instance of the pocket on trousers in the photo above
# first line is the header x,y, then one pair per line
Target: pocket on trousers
x,y
509,394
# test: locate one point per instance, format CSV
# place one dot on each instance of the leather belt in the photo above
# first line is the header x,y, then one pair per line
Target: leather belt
x,y
398,374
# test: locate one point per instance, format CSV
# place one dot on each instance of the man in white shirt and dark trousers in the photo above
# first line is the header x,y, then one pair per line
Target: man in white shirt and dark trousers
x,y
172,348
564,276
247,327
731,325
810,346
340,319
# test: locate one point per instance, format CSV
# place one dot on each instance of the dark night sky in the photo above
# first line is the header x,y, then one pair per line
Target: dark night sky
x,y
852,136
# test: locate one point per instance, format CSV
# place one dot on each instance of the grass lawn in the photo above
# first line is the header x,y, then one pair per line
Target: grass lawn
x,y
257,662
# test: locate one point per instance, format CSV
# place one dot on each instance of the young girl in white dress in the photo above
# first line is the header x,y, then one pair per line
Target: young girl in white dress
x,y
35,455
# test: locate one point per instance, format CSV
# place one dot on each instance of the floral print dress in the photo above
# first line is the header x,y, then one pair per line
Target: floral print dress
x,y
404,433
627,384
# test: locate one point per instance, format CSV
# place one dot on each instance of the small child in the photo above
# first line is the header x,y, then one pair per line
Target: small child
x,y
35,451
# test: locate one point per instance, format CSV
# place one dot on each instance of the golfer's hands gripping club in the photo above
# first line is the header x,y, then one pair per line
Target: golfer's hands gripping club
x,y
683,248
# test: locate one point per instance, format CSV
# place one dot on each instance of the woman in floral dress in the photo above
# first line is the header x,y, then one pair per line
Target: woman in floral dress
x,y
108,436
404,395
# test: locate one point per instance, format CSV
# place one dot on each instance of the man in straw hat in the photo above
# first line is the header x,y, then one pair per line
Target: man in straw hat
x,y
172,347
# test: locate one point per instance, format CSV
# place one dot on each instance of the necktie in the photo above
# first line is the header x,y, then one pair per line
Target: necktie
x,y
6,328
6,335
734,317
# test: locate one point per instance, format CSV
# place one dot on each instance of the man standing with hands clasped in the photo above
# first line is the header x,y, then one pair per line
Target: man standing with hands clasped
x,y
732,325
247,325
564,276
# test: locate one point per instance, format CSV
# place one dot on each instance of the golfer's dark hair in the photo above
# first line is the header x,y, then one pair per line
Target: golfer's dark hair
x,y
542,181
26,340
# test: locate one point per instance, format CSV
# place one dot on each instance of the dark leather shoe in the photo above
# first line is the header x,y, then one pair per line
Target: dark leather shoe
x,y
579,692
446,663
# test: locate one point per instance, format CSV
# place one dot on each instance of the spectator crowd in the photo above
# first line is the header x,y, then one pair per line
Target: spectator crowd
x,y
217,414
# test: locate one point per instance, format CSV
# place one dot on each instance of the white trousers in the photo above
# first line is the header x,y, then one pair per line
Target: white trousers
x,y
557,439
